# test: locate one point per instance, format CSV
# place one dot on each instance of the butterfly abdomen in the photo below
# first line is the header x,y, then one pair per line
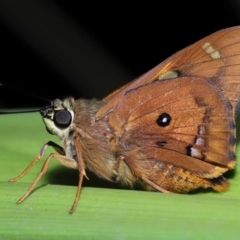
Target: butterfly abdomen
x,y
163,176
177,180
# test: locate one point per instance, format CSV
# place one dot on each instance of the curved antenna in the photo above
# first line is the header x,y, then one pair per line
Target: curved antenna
x,y
18,111
12,111
25,92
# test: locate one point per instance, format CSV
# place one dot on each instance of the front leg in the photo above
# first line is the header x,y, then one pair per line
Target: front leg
x,y
58,148
59,156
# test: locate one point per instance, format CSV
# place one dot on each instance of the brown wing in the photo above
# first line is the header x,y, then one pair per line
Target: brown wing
x,y
185,122
216,57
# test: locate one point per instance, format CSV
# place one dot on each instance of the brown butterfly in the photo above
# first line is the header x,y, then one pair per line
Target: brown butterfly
x,y
170,130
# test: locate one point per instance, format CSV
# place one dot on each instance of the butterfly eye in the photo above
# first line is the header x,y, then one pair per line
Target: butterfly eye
x,y
164,120
63,118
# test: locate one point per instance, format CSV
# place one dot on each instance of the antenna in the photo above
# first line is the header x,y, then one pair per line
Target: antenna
x,y
12,110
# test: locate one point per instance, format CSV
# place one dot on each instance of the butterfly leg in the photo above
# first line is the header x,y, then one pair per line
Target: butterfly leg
x,y
82,173
137,173
120,158
58,157
152,184
38,158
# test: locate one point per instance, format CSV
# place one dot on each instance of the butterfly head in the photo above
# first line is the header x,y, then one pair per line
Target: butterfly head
x,y
58,116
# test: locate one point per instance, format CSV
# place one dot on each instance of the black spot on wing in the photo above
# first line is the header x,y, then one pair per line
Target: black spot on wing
x,y
161,143
163,120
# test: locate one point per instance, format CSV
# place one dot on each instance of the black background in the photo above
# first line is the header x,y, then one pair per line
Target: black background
x,y
134,36
88,49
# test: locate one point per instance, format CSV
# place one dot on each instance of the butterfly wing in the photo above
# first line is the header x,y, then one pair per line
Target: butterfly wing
x,y
184,123
216,58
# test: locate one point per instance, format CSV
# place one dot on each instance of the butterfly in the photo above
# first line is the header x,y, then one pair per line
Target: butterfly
x,y
170,130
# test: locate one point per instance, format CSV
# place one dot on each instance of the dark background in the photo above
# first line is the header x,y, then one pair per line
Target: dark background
x,y
88,49
59,48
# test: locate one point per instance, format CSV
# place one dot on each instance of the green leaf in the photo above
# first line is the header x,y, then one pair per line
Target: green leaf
x,y
102,213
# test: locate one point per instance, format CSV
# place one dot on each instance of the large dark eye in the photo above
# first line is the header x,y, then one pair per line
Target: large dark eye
x,y
63,118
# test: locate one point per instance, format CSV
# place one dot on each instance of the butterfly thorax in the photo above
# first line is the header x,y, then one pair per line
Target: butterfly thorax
x,y
100,143
82,136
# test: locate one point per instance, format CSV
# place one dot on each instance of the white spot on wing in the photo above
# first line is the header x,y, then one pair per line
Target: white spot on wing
x,y
168,75
199,141
215,55
196,153
201,130
211,51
